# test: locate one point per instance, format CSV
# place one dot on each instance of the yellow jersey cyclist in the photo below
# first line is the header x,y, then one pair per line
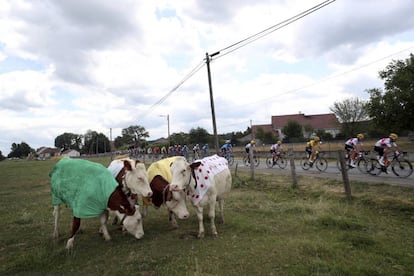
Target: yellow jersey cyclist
x,y
313,148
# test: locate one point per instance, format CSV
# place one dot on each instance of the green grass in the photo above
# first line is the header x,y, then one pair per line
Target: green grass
x,y
270,229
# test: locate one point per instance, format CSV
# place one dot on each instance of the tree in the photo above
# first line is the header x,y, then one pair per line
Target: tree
x,y
2,157
135,134
350,112
265,137
392,109
20,150
69,141
199,136
293,130
180,138
96,143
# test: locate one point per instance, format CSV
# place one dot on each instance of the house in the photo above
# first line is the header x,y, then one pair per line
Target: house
x,y
71,153
45,152
310,123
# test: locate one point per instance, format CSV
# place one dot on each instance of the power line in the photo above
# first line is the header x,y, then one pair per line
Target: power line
x,y
238,45
175,88
233,47
333,76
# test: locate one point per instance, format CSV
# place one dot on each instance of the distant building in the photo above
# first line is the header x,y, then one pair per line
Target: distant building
x,y
327,122
46,153
71,153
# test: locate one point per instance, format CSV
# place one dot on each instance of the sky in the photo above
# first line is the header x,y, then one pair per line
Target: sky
x,y
103,65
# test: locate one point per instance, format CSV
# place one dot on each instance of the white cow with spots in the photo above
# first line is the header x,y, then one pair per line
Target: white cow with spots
x,y
207,181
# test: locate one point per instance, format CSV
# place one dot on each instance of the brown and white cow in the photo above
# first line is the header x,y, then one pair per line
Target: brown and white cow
x,y
132,175
159,175
207,181
90,190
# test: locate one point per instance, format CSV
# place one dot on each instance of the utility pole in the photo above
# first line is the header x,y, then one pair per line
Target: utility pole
x,y
168,127
213,114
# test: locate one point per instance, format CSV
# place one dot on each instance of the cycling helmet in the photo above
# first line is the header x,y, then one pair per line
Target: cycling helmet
x,y
360,136
316,138
252,142
279,142
393,136
227,141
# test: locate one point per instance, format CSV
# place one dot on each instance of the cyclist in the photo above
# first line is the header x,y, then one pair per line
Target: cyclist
x,y
353,146
226,148
386,145
275,150
249,146
313,148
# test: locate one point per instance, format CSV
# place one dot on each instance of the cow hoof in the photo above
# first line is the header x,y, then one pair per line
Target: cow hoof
x,y
200,236
69,244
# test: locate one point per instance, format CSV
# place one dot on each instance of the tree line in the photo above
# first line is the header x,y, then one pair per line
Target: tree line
x,y
389,109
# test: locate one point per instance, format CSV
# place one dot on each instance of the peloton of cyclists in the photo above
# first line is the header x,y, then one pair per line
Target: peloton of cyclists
x,y
275,149
353,146
385,146
313,148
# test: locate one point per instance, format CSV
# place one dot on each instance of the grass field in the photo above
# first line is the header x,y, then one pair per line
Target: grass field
x,y
270,229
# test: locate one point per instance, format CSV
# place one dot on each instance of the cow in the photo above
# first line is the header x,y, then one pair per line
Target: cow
x,y
90,190
159,175
132,175
207,180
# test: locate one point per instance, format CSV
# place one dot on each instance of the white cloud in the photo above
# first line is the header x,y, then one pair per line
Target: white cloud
x,y
70,66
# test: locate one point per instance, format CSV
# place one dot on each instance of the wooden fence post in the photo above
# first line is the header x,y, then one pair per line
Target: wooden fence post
x,y
344,172
293,169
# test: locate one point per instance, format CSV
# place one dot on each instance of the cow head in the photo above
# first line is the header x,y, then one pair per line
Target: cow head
x,y
181,174
176,204
132,224
136,177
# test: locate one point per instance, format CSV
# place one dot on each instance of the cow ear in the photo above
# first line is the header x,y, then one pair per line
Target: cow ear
x,y
127,165
195,165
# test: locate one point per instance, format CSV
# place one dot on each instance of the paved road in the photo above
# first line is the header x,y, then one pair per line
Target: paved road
x,y
331,172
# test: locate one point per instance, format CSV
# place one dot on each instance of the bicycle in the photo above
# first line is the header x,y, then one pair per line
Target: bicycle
x,y
400,167
229,156
246,161
320,163
279,160
361,161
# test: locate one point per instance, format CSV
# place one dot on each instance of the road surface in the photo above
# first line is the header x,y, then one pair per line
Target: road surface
x,y
331,172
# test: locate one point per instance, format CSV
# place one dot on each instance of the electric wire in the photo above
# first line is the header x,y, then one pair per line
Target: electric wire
x,y
175,88
229,49
233,47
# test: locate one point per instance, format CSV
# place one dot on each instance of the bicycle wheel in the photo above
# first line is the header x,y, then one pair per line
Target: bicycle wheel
x,y
362,165
321,164
246,161
256,161
282,162
230,160
269,162
304,163
374,167
402,168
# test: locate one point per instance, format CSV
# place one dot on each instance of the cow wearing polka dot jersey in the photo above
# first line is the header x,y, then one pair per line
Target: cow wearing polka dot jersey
x,y
206,181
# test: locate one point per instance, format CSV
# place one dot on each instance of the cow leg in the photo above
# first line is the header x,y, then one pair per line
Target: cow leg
x,y
172,220
103,218
75,227
56,218
221,209
199,212
212,215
